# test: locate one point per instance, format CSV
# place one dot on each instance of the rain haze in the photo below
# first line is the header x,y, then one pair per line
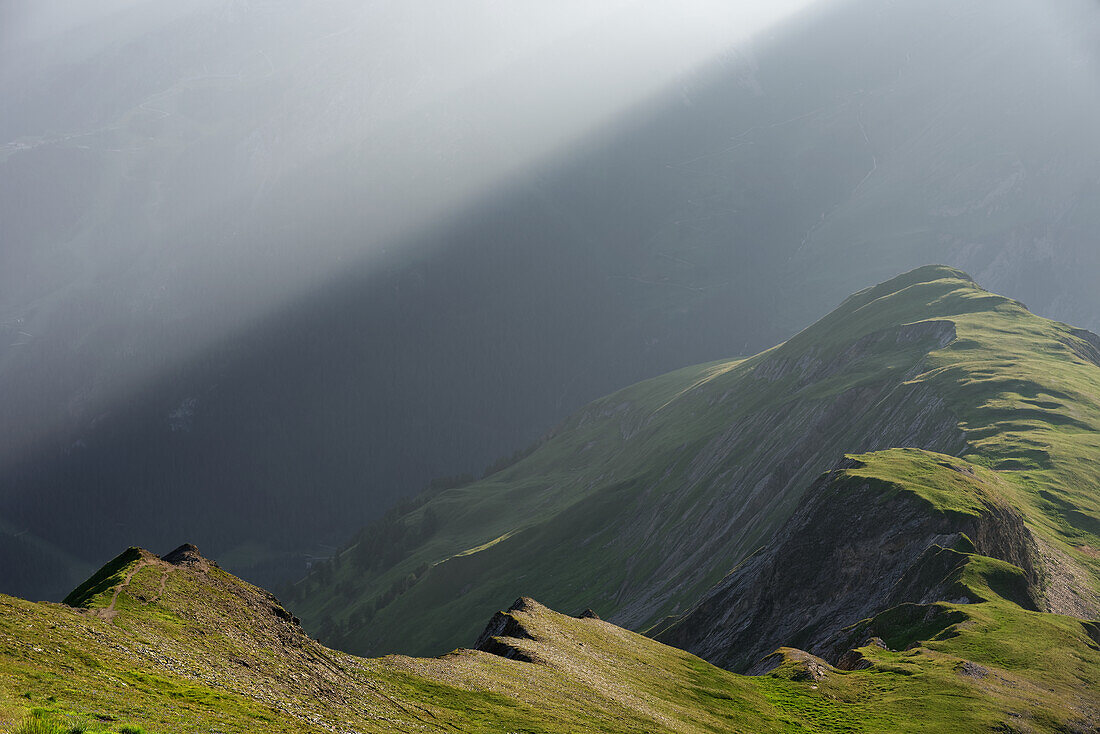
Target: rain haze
x,y
268,267
214,160
435,105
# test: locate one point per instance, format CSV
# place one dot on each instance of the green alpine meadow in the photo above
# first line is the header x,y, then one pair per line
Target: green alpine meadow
x,y
888,523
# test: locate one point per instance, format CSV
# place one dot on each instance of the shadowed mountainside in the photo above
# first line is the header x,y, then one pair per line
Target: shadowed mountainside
x,y
643,500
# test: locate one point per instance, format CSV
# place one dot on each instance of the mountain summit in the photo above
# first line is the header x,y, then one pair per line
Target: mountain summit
x,y
644,500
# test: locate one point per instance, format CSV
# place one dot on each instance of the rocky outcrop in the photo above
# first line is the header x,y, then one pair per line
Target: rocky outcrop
x,y
186,555
857,547
1086,345
503,627
853,659
801,664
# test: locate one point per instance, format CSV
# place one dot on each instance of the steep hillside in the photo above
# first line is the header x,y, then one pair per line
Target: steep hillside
x,y
901,557
643,500
175,645
899,530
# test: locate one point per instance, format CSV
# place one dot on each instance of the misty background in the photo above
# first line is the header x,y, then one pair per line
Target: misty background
x,y
267,267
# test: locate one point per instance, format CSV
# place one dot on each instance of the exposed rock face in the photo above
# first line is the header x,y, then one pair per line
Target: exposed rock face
x,y
854,549
808,367
973,670
1067,585
186,555
502,626
853,660
807,666
1088,348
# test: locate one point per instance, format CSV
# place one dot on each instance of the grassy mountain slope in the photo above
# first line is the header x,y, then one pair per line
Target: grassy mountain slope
x,y
643,500
178,645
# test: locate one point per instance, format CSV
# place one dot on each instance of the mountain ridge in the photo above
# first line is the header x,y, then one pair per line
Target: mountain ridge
x,y
673,481
189,648
211,651
689,423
